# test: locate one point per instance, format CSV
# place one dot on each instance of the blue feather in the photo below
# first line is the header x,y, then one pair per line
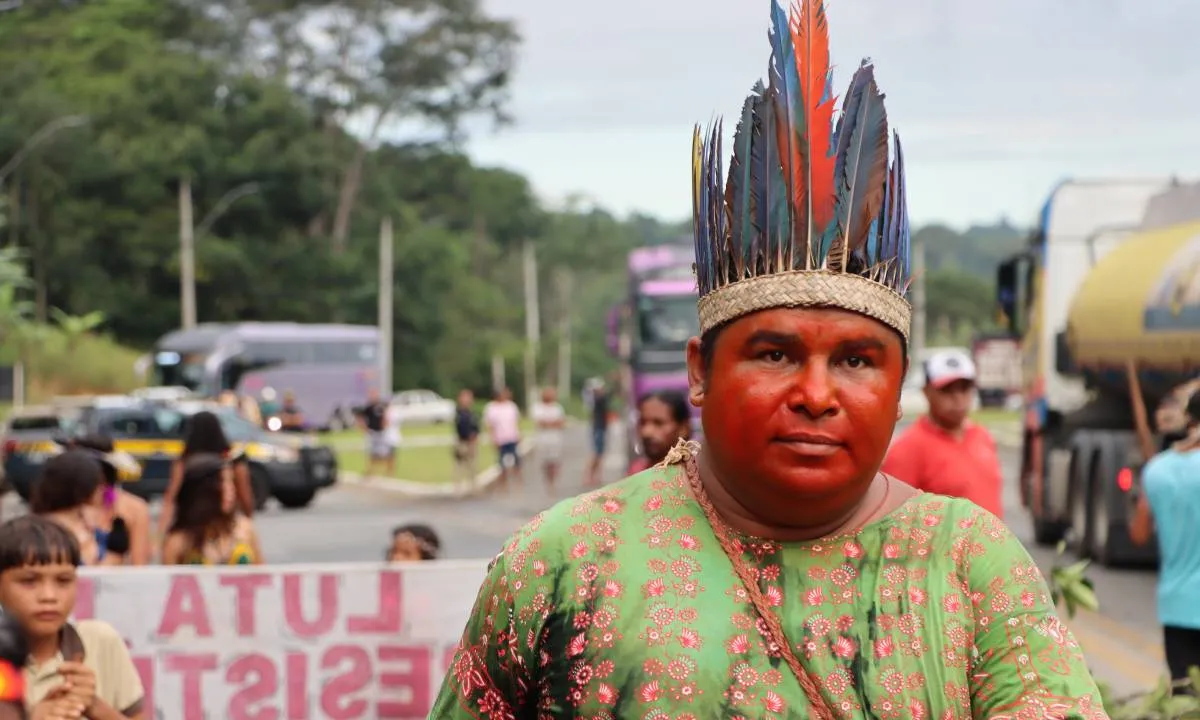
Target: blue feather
x,y
860,171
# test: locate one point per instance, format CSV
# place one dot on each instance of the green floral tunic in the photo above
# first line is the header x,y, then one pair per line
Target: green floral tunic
x,y
621,604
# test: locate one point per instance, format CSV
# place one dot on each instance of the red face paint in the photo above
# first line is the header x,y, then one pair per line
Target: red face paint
x,y
798,409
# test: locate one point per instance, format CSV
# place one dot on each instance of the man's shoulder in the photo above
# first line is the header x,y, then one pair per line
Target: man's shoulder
x,y
579,526
954,517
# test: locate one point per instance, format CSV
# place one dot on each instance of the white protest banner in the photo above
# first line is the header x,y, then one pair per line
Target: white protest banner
x,y
312,642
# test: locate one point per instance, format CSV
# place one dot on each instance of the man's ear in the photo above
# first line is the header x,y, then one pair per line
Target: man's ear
x,y
696,373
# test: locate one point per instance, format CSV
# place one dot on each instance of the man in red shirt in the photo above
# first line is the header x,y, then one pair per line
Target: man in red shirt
x,y
944,452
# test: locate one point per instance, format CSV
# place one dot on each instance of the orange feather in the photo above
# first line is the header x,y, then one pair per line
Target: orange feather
x,y
810,37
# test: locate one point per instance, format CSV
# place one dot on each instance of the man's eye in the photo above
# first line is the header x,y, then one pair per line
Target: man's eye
x,y
855,362
774,355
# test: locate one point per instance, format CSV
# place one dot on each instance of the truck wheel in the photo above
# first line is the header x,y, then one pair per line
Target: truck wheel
x,y
295,498
1079,496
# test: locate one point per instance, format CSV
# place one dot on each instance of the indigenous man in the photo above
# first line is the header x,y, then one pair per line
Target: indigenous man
x,y
776,573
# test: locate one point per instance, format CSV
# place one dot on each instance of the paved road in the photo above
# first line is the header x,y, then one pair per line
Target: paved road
x,y
353,524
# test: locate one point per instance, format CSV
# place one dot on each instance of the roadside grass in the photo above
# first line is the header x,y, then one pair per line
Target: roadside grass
x,y
996,416
57,363
433,465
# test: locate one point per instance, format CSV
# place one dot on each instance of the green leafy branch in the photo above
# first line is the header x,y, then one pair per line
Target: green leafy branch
x,y
1072,590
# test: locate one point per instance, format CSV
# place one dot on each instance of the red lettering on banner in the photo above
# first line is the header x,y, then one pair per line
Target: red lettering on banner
x,y
191,669
244,587
145,670
185,606
85,599
246,703
411,679
448,658
296,695
327,605
352,680
386,620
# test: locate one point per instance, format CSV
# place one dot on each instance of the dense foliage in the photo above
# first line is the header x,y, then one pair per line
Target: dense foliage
x,y
111,106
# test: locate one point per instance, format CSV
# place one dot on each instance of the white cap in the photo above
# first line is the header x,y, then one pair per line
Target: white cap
x,y
947,366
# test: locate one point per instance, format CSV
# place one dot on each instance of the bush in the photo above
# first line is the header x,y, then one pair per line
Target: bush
x,y
58,362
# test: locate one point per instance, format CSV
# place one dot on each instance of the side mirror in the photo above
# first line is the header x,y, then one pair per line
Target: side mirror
x,y
1007,304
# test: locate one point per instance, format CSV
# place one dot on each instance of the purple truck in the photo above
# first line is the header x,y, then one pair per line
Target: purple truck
x,y
649,330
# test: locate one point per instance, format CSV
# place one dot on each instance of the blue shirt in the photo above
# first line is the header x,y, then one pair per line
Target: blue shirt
x,y
1172,484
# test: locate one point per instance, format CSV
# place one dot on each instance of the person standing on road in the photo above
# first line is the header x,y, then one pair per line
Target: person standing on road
x,y
1170,503
503,420
944,452
204,435
600,418
291,417
206,529
69,491
380,452
118,507
551,419
466,435
664,419
775,572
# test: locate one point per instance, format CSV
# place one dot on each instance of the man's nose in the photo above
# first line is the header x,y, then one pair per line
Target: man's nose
x,y
814,393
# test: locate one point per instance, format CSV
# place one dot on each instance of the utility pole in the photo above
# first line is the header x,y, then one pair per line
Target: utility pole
x,y
190,233
917,339
565,281
387,286
532,324
187,257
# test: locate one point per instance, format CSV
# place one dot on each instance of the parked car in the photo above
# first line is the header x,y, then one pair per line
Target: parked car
x,y
422,407
291,469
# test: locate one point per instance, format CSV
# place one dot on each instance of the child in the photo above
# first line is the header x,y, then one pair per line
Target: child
x,y
76,670
414,543
118,507
69,491
207,529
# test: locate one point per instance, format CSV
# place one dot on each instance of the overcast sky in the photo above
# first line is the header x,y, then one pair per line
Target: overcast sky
x,y
995,100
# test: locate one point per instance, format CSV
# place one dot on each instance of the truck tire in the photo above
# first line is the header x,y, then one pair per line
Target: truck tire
x,y
295,498
1110,506
1048,529
1084,448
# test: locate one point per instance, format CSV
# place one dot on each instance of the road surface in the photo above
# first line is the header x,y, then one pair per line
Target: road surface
x,y
352,523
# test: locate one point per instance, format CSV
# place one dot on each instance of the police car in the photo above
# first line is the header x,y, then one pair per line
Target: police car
x,y
290,468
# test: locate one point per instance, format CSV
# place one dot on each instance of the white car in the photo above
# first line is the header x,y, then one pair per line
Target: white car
x,y
422,407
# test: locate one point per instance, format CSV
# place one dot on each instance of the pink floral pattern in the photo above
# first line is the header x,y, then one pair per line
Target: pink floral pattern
x,y
621,604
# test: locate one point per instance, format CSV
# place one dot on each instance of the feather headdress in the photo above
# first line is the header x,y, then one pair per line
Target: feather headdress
x,y
811,214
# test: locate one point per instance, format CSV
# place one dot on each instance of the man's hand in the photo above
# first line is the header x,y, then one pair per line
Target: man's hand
x,y
82,682
59,704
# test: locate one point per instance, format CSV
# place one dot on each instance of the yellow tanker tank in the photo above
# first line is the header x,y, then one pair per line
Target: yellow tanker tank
x,y
1141,302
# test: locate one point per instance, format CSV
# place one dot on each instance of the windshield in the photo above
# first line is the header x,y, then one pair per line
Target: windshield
x,y
173,369
236,427
667,321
